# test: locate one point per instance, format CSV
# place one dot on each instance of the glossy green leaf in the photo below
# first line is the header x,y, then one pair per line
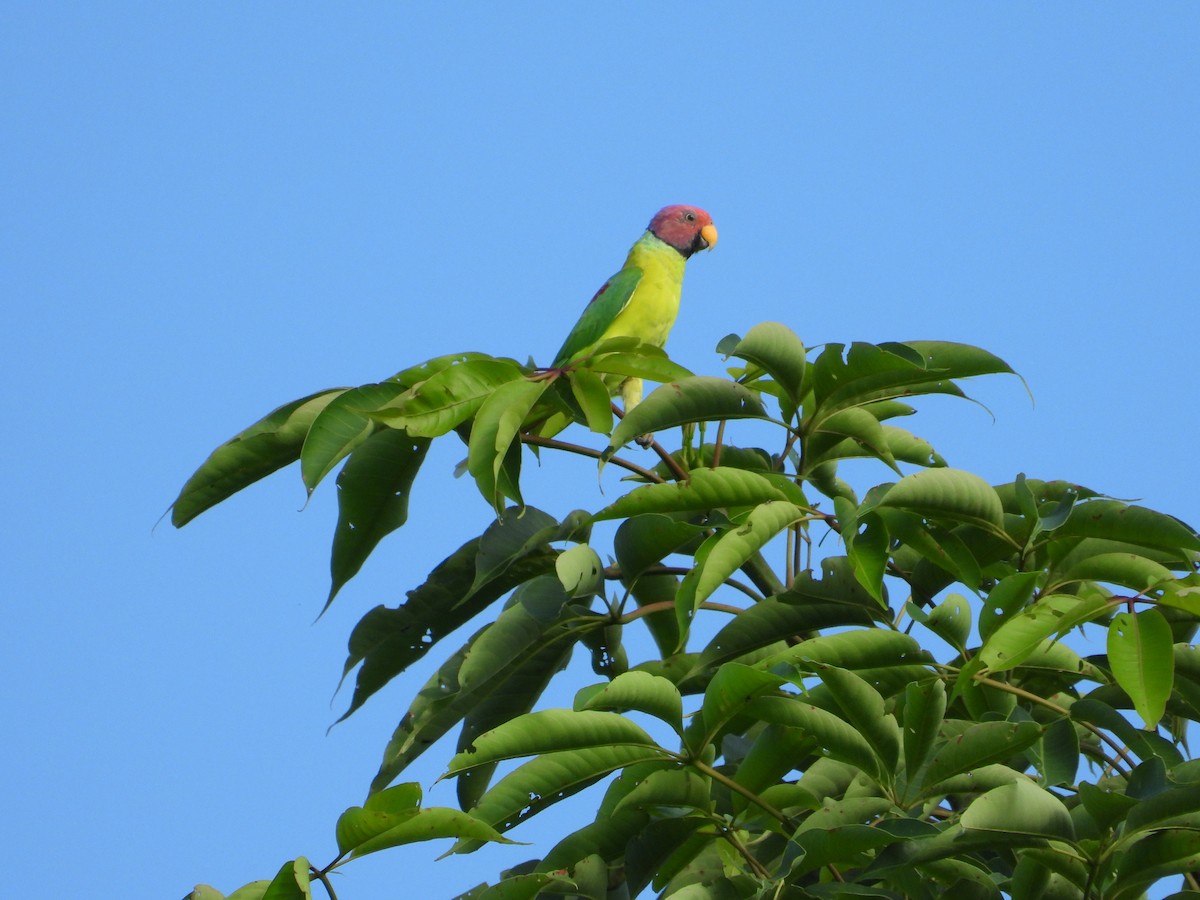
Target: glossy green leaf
x,y
547,731
727,694
731,549
777,350
1145,744
360,824
521,690
980,744
606,837
266,446
548,778
517,533
643,541
1143,661
387,641
951,620
950,493
924,708
1153,857
340,427
1020,808
705,489
1118,521
1126,569
858,649
1008,597
373,491
856,424
671,788
640,691
494,436
449,397
646,361
1021,635
863,707
700,398
523,887
835,737
292,882
867,549
772,620
580,571
593,398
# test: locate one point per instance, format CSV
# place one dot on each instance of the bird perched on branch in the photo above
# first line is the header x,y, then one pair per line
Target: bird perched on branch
x,y
642,300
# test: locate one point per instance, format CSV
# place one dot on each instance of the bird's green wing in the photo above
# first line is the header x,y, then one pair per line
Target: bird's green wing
x,y
600,313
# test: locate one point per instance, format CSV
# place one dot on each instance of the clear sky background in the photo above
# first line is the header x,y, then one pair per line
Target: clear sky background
x,y
211,209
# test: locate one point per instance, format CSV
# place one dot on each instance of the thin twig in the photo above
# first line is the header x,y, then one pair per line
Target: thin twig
x,y
540,441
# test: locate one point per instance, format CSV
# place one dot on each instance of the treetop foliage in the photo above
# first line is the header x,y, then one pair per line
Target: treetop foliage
x,y
899,717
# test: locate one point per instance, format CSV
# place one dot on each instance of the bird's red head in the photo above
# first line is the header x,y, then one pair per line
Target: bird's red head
x,y
686,228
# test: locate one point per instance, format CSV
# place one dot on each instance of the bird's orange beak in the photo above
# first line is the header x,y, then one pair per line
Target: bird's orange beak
x,y
708,234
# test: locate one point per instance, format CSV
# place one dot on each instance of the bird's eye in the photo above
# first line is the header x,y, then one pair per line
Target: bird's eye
x,y
691,217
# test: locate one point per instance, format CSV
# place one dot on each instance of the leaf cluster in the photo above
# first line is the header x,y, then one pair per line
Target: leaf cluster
x,y
903,714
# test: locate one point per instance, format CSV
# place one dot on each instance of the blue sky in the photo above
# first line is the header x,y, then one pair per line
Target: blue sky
x,y
211,209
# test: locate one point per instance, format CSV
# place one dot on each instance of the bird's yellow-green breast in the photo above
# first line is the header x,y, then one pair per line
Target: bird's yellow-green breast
x,y
654,305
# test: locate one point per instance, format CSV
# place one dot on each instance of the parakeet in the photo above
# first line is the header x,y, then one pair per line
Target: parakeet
x,y
642,300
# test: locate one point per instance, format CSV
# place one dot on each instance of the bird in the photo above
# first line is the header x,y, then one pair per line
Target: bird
x,y
642,299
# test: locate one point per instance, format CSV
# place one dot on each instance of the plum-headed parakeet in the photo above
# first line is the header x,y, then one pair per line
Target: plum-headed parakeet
x,y
642,300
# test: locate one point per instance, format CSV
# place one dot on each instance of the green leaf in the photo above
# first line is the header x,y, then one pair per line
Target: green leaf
x,y
1009,596
951,493
1126,569
522,887
730,550
449,397
777,350
580,571
1021,635
951,620
924,708
669,787
266,446
1146,744
643,541
772,620
387,641
863,707
393,817
1020,808
867,549
835,738
1143,661
645,361
858,649
1117,521
516,533
478,669
641,691
340,427
593,398
705,489
727,694
856,424
494,437
291,883
373,492
979,745
1178,806
698,399
547,731
547,779
520,692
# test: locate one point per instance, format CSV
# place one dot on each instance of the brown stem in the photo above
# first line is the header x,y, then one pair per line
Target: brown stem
x,y
553,444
